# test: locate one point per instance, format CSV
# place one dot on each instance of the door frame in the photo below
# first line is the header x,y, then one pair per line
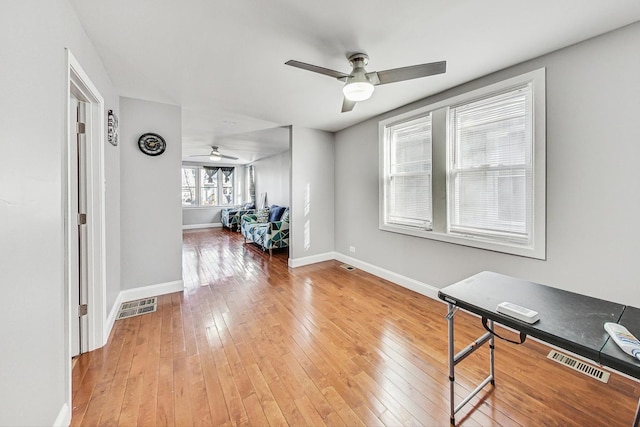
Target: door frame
x,y
79,83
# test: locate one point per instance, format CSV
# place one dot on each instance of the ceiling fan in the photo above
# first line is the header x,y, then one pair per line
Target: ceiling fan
x,y
359,85
215,155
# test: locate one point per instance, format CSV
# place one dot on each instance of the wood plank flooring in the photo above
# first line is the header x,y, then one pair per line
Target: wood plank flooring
x,y
252,342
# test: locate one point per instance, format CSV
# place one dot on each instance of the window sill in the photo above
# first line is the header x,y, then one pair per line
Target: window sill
x,y
473,242
207,207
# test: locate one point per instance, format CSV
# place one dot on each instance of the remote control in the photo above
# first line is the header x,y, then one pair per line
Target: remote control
x,y
518,312
625,340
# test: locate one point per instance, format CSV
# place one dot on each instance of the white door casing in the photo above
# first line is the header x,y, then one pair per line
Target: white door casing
x,y
74,261
81,88
78,271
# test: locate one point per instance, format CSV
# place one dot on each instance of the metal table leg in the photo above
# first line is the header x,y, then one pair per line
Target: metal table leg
x,y
454,359
491,356
452,405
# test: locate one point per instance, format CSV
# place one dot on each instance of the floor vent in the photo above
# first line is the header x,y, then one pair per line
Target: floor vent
x,y
348,267
138,307
139,303
579,366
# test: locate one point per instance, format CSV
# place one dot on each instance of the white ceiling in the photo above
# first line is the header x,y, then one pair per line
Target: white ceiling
x,y
223,61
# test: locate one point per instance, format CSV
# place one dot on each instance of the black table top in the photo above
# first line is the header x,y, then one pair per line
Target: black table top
x,y
613,356
568,320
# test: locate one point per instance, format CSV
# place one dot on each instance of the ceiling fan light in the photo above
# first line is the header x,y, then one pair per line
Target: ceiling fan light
x,y
358,90
215,156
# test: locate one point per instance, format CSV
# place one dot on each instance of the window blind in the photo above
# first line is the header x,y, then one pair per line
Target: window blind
x,y
189,191
490,175
408,177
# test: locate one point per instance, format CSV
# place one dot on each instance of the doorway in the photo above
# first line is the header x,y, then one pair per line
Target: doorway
x,y
83,195
78,268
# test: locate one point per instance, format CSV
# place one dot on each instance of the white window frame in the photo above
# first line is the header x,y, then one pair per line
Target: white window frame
x,y
536,247
389,176
219,188
196,185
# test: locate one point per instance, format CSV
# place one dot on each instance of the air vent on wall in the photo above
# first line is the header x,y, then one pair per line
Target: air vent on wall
x,y
579,366
137,307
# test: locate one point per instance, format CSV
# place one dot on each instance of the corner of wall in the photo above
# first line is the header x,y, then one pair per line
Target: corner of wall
x,y
64,417
136,294
398,279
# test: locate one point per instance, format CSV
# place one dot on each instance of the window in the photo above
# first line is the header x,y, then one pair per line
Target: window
x,y
227,186
490,173
209,187
204,186
408,173
189,177
471,169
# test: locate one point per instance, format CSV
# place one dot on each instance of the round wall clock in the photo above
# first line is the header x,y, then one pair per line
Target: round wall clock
x,y
152,144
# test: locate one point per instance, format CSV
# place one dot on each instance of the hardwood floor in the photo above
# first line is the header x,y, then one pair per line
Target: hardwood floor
x,y
252,342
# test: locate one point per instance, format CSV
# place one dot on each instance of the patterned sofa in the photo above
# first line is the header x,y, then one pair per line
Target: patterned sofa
x,y
230,217
268,228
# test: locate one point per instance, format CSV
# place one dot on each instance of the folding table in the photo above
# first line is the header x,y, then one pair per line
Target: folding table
x,y
568,320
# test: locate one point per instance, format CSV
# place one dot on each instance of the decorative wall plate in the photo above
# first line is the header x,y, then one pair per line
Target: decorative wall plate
x,y
112,128
152,144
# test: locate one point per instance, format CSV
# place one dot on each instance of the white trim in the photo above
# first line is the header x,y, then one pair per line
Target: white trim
x,y
79,80
194,226
204,208
79,83
398,279
151,290
313,259
64,417
111,319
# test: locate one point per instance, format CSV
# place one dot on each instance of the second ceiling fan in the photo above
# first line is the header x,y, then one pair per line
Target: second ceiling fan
x,y
215,155
359,84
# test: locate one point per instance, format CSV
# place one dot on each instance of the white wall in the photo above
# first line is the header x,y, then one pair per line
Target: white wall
x,y
35,361
272,177
201,216
312,193
112,212
151,209
593,191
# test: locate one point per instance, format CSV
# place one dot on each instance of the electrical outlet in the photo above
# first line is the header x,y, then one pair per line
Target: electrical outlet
x,y
352,248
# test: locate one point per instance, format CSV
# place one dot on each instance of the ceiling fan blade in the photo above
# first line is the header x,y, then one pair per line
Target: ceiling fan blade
x,y
316,69
199,155
224,156
412,72
347,105
373,78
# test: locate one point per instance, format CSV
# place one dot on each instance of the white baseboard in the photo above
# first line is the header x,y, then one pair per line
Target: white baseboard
x,y
313,259
140,293
398,279
64,417
404,281
152,290
111,319
209,225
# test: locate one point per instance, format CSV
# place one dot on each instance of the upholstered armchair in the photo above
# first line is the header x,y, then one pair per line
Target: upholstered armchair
x,y
268,228
230,217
